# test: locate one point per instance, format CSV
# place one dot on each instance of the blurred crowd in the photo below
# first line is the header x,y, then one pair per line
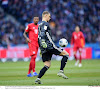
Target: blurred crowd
x,y
10,32
65,15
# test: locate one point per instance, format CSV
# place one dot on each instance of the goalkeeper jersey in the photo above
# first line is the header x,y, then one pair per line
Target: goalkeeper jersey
x,y
44,35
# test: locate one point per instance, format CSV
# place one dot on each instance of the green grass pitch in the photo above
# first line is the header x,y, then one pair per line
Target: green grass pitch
x,y
14,74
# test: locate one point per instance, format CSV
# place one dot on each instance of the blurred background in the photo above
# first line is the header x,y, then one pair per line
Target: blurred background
x,y
15,15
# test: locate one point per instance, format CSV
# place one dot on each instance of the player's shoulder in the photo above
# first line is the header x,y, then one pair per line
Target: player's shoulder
x,y
47,24
74,33
80,32
30,24
44,23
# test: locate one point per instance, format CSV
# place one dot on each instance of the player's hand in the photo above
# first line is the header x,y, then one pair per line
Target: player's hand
x,y
28,40
44,45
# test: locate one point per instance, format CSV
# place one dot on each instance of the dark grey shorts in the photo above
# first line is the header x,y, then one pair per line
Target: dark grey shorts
x,y
48,55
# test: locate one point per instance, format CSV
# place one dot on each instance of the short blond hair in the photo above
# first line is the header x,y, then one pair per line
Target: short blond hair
x,y
44,13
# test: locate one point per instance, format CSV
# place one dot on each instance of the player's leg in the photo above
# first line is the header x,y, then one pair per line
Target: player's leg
x,y
45,68
65,54
29,71
33,65
30,66
42,71
46,57
80,57
33,54
75,56
76,59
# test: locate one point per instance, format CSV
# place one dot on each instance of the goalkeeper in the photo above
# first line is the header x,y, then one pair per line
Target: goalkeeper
x,y
48,48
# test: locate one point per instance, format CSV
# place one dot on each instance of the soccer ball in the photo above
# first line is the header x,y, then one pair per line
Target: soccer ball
x,y
63,42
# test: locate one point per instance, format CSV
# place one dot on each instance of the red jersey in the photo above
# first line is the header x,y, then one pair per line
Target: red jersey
x,y
32,30
78,39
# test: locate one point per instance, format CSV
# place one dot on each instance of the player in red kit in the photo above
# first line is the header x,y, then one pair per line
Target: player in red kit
x,y
79,42
32,40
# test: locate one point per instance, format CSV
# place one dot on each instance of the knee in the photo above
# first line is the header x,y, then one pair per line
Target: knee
x,y
48,64
65,53
47,67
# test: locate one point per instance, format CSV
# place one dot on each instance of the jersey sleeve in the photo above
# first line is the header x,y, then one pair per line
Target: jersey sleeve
x,y
82,39
72,39
27,28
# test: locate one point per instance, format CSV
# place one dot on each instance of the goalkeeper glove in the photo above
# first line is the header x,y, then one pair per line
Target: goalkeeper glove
x,y
44,45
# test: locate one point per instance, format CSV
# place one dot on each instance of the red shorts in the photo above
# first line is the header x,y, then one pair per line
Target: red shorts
x,y
76,48
33,49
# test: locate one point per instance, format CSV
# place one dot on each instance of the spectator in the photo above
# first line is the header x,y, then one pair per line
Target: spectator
x,y
65,14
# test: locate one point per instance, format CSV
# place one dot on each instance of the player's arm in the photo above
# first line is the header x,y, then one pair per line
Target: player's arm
x,y
25,35
82,36
41,37
48,35
45,34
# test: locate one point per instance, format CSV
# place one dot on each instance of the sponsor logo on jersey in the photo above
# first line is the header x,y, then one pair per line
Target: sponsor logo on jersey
x,y
33,27
33,52
45,27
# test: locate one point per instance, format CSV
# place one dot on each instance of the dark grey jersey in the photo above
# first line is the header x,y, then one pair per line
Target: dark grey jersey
x,y
44,34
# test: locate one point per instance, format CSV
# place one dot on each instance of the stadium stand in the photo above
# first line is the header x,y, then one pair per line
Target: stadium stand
x,y
66,14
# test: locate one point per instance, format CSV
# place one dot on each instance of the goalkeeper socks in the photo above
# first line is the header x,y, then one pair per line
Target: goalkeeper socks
x,y
43,70
63,62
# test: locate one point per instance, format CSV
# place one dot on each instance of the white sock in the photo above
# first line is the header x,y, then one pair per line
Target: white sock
x,y
38,78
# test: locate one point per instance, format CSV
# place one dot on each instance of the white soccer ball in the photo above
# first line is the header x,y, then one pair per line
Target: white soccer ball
x,y
63,42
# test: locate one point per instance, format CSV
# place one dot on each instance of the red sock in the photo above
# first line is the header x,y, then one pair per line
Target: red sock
x,y
30,68
32,64
80,59
75,57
